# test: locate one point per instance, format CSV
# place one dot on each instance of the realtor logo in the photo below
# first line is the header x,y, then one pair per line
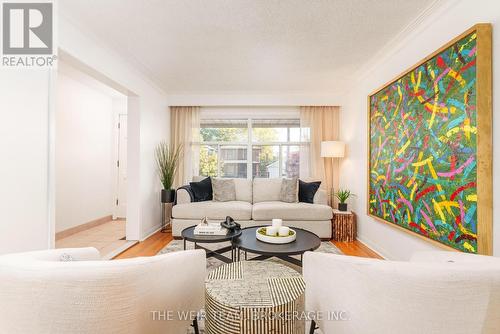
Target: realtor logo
x,y
27,28
28,35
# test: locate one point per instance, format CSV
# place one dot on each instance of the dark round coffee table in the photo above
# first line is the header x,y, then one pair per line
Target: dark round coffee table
x,y
188,235
248,242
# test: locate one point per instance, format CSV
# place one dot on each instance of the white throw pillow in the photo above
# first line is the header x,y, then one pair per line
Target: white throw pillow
x,y
223,190
289,190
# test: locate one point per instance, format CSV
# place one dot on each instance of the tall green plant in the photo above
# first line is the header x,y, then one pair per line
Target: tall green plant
x,y
167,161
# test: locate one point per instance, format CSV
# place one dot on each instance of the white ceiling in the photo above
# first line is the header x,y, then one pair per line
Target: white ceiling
x,y
245,46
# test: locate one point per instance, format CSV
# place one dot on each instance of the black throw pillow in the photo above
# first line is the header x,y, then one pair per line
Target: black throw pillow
x,y
202,190
307,190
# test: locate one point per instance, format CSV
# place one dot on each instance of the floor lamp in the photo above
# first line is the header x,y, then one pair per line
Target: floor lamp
x,y
333,150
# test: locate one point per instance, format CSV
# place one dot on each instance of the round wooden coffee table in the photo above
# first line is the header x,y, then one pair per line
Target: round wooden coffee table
x,y
188,235
248,242
254,297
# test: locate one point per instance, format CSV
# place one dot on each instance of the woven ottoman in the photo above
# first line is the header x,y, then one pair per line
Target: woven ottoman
x,y
254,297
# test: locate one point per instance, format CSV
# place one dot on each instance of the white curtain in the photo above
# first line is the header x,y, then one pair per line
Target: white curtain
x,y
185,129
319,124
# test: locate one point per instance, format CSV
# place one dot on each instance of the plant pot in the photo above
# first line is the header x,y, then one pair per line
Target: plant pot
x,y
167,195
342,206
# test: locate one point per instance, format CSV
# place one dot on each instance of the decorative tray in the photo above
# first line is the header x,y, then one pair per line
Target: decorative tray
x,y
262,236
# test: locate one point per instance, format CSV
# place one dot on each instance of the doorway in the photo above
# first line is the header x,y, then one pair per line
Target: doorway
x,y
90,163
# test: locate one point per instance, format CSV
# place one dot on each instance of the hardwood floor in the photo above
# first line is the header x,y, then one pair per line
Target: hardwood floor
x,y
356,248
152,245
149,247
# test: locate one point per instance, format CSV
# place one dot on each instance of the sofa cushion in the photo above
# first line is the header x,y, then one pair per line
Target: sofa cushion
x,y
265,190
321,197
291,211
243,188
213,210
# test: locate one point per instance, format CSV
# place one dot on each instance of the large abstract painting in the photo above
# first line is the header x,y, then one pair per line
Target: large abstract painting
x,y
430,146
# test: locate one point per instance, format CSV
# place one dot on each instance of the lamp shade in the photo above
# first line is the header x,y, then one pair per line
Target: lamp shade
x,y
332,149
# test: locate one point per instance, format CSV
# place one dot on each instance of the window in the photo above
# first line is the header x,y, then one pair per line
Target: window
x,y
233,161
224,131
250,148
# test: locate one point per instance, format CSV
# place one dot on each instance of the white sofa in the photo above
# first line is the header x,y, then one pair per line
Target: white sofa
x,y
39,294
435,292
257,203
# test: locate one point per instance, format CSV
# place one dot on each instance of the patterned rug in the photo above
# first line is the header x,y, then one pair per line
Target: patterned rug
x,y
212,263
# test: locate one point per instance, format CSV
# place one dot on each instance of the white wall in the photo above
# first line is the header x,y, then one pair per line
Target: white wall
x,y
24,141
84,160
148,123
435,29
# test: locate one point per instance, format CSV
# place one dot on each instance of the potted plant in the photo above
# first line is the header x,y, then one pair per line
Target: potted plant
x,y
167,159
343,195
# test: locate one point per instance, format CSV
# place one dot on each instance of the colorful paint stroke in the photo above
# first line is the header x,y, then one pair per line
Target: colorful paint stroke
x,y
423,149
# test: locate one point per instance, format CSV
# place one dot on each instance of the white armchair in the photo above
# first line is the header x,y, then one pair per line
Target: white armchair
x,y
435,292
40,294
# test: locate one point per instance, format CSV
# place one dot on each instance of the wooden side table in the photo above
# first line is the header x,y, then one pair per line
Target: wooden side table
x,y
344,225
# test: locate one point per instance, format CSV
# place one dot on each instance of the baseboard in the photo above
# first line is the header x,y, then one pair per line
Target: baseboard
x,y
119,250
70,231
371,247
156,229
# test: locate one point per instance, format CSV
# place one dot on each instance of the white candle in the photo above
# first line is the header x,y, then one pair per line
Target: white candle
x,y
283,231
272,230
277,222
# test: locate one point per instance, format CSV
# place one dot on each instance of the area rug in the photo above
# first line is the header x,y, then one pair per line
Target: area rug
x,y
212,263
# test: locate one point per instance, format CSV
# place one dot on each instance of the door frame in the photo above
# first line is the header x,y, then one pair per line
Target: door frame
x,y
115,163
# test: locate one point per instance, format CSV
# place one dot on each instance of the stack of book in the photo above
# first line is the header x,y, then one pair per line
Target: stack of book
x,y
210,229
